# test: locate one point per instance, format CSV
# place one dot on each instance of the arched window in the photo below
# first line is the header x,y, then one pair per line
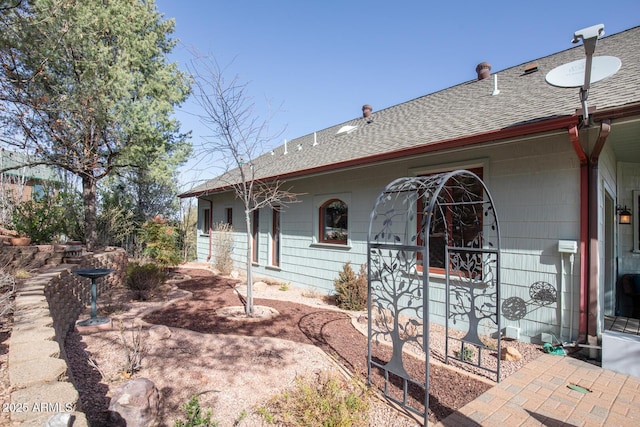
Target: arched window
x,y
333,222
469,215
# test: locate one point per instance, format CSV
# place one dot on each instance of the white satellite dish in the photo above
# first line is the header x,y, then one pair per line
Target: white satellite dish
x,y
572,73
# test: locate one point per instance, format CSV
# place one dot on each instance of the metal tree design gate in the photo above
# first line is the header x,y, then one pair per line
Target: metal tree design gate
x,y
443,225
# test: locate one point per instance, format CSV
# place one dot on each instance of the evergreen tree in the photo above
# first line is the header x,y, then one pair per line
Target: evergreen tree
x,y
86,86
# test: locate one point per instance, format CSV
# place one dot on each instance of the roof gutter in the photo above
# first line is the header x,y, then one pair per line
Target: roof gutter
x,y
505,133
563,122
616,113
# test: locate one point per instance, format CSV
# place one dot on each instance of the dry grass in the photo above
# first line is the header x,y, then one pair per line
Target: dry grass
x,y
326,400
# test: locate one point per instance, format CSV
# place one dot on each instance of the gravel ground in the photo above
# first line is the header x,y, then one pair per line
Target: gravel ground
x,y
5,387
210,354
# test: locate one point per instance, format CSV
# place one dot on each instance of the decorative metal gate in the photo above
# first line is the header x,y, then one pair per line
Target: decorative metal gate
x,y
440,226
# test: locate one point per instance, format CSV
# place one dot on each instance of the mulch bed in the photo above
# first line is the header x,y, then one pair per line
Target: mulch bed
x,y
330,330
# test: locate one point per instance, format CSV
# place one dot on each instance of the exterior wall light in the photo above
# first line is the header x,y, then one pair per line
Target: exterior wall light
x,y
624,214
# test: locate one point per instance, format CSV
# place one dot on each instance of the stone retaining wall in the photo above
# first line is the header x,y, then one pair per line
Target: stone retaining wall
x,y
46,309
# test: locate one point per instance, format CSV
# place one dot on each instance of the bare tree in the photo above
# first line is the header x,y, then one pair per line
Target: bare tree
x,y
239,137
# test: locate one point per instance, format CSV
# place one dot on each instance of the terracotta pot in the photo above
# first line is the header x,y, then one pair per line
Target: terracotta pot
x,y
20,241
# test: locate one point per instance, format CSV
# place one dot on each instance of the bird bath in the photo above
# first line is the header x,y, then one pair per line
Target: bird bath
x,y
93,274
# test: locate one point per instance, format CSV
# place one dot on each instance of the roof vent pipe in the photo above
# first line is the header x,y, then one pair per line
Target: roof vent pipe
x,y
366,113
484,70
367,110
496,91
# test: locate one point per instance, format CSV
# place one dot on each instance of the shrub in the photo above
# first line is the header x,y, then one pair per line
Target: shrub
x,y
467,353
351,290
144,279
284,286
115,225
161,242
324,401
223,246
196,416
134,350
48,217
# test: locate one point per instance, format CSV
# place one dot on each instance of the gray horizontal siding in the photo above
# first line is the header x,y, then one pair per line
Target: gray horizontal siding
x,y
535,187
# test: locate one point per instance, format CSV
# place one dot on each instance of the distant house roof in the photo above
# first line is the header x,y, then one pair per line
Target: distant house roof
x,y
464,114
10,159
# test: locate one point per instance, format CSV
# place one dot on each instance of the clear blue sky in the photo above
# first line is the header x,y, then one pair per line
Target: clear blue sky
x,y
318,62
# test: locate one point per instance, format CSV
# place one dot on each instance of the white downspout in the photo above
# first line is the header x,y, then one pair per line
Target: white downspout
x,y
560,288
571,261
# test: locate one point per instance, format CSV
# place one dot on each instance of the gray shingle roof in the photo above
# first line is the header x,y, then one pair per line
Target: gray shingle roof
x,y
460,111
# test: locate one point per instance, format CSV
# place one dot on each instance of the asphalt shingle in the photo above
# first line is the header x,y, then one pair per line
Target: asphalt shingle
x,y
460,111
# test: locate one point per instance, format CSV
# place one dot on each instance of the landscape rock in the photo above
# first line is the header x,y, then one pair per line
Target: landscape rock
x,y
510,354
7,232
135,403
59,420
159,332
260,286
